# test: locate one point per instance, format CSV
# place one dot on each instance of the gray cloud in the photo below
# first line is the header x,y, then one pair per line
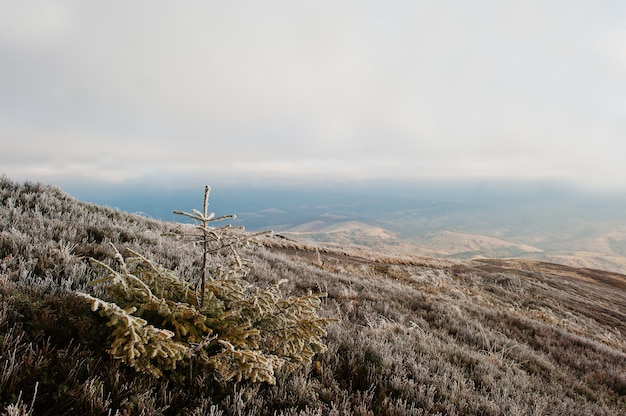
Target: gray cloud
x,y
405,89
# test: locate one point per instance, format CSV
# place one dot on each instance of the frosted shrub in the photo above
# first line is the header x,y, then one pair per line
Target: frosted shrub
x,y
159,321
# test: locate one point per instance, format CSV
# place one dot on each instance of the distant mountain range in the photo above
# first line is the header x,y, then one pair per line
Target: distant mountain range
x,y
540,221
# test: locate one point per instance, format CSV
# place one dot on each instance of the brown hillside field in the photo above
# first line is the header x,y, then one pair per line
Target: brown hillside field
x,y
411,335
598,250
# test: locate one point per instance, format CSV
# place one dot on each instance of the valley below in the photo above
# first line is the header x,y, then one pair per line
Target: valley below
x,y
580,242
535,221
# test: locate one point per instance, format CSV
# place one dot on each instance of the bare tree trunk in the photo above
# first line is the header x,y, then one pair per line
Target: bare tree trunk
x,y
205,243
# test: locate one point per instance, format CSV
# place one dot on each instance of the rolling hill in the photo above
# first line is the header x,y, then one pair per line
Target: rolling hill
x,y
412,334
573,234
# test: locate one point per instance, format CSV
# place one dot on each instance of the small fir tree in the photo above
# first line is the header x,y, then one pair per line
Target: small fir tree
x,y
239,331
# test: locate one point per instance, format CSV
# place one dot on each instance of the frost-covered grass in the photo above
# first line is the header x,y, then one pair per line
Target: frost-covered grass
x,y
413,336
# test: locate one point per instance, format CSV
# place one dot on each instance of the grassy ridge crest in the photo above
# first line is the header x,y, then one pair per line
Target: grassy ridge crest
x,y
413,335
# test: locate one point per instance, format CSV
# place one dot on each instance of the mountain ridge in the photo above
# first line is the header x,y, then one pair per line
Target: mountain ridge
x,y
576,227
413,335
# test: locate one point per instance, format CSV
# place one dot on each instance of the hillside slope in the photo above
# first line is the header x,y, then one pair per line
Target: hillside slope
x,y
580,230
413,335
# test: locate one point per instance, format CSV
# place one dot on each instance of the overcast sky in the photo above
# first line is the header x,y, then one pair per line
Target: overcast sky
x,y
313,91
